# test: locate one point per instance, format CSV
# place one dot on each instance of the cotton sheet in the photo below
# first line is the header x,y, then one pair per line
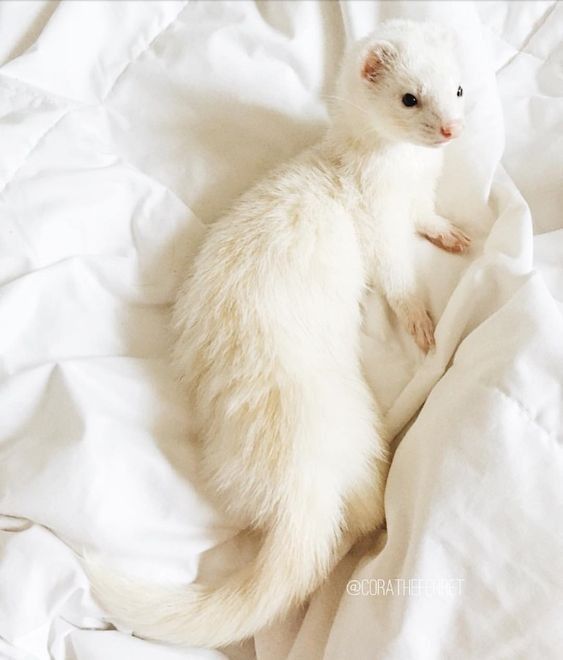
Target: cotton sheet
x,y
126,127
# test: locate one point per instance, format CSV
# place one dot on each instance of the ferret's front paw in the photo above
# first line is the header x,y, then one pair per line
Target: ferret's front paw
x,y
451,239
419,324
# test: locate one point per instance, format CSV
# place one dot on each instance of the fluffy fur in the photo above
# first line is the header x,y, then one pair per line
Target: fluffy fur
x,y
268,347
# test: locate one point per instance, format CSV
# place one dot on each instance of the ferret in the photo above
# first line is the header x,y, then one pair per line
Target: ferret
x,y
268,344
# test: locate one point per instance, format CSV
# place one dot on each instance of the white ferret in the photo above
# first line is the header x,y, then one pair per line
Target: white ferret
x,y
269,329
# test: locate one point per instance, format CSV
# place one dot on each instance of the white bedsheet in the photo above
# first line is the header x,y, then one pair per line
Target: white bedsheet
x,y
125,127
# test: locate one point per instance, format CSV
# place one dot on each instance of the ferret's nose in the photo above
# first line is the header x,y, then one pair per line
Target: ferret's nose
x,y
446,131
451,129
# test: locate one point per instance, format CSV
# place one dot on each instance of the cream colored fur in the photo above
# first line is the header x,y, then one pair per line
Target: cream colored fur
x,y
268,339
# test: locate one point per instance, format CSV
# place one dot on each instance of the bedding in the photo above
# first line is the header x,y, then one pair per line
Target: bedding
x,y
126,128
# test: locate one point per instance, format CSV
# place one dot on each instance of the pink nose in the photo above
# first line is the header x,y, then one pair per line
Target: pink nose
x,y
451,130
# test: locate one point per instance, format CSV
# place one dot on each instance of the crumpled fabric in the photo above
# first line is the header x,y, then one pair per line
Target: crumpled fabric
x,y
126,128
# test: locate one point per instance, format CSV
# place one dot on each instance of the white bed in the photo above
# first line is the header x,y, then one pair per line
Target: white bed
x,y
125,127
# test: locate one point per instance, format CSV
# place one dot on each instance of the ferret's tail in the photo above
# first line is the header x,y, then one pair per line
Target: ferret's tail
x,y
296,555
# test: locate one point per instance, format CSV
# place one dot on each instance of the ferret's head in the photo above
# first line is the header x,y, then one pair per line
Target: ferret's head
x,y
403,84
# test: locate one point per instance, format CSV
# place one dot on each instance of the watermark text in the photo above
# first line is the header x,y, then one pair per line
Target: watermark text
x,y
424,587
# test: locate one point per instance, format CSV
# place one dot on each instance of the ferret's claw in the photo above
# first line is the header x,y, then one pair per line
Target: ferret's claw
x,y
421,327
451,240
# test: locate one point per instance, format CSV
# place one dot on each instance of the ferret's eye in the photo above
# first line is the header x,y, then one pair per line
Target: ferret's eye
x,y
460,91
409,100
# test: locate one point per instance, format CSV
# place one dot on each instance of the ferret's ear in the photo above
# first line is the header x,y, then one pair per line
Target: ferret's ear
x,y
377,58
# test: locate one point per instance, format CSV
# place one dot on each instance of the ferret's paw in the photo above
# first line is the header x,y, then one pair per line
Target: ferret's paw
x,y
420,326
451,239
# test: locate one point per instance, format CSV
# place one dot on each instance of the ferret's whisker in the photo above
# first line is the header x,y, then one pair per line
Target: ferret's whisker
x,y
340,98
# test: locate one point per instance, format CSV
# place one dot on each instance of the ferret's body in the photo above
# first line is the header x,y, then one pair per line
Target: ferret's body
x,y
268,349
269,344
